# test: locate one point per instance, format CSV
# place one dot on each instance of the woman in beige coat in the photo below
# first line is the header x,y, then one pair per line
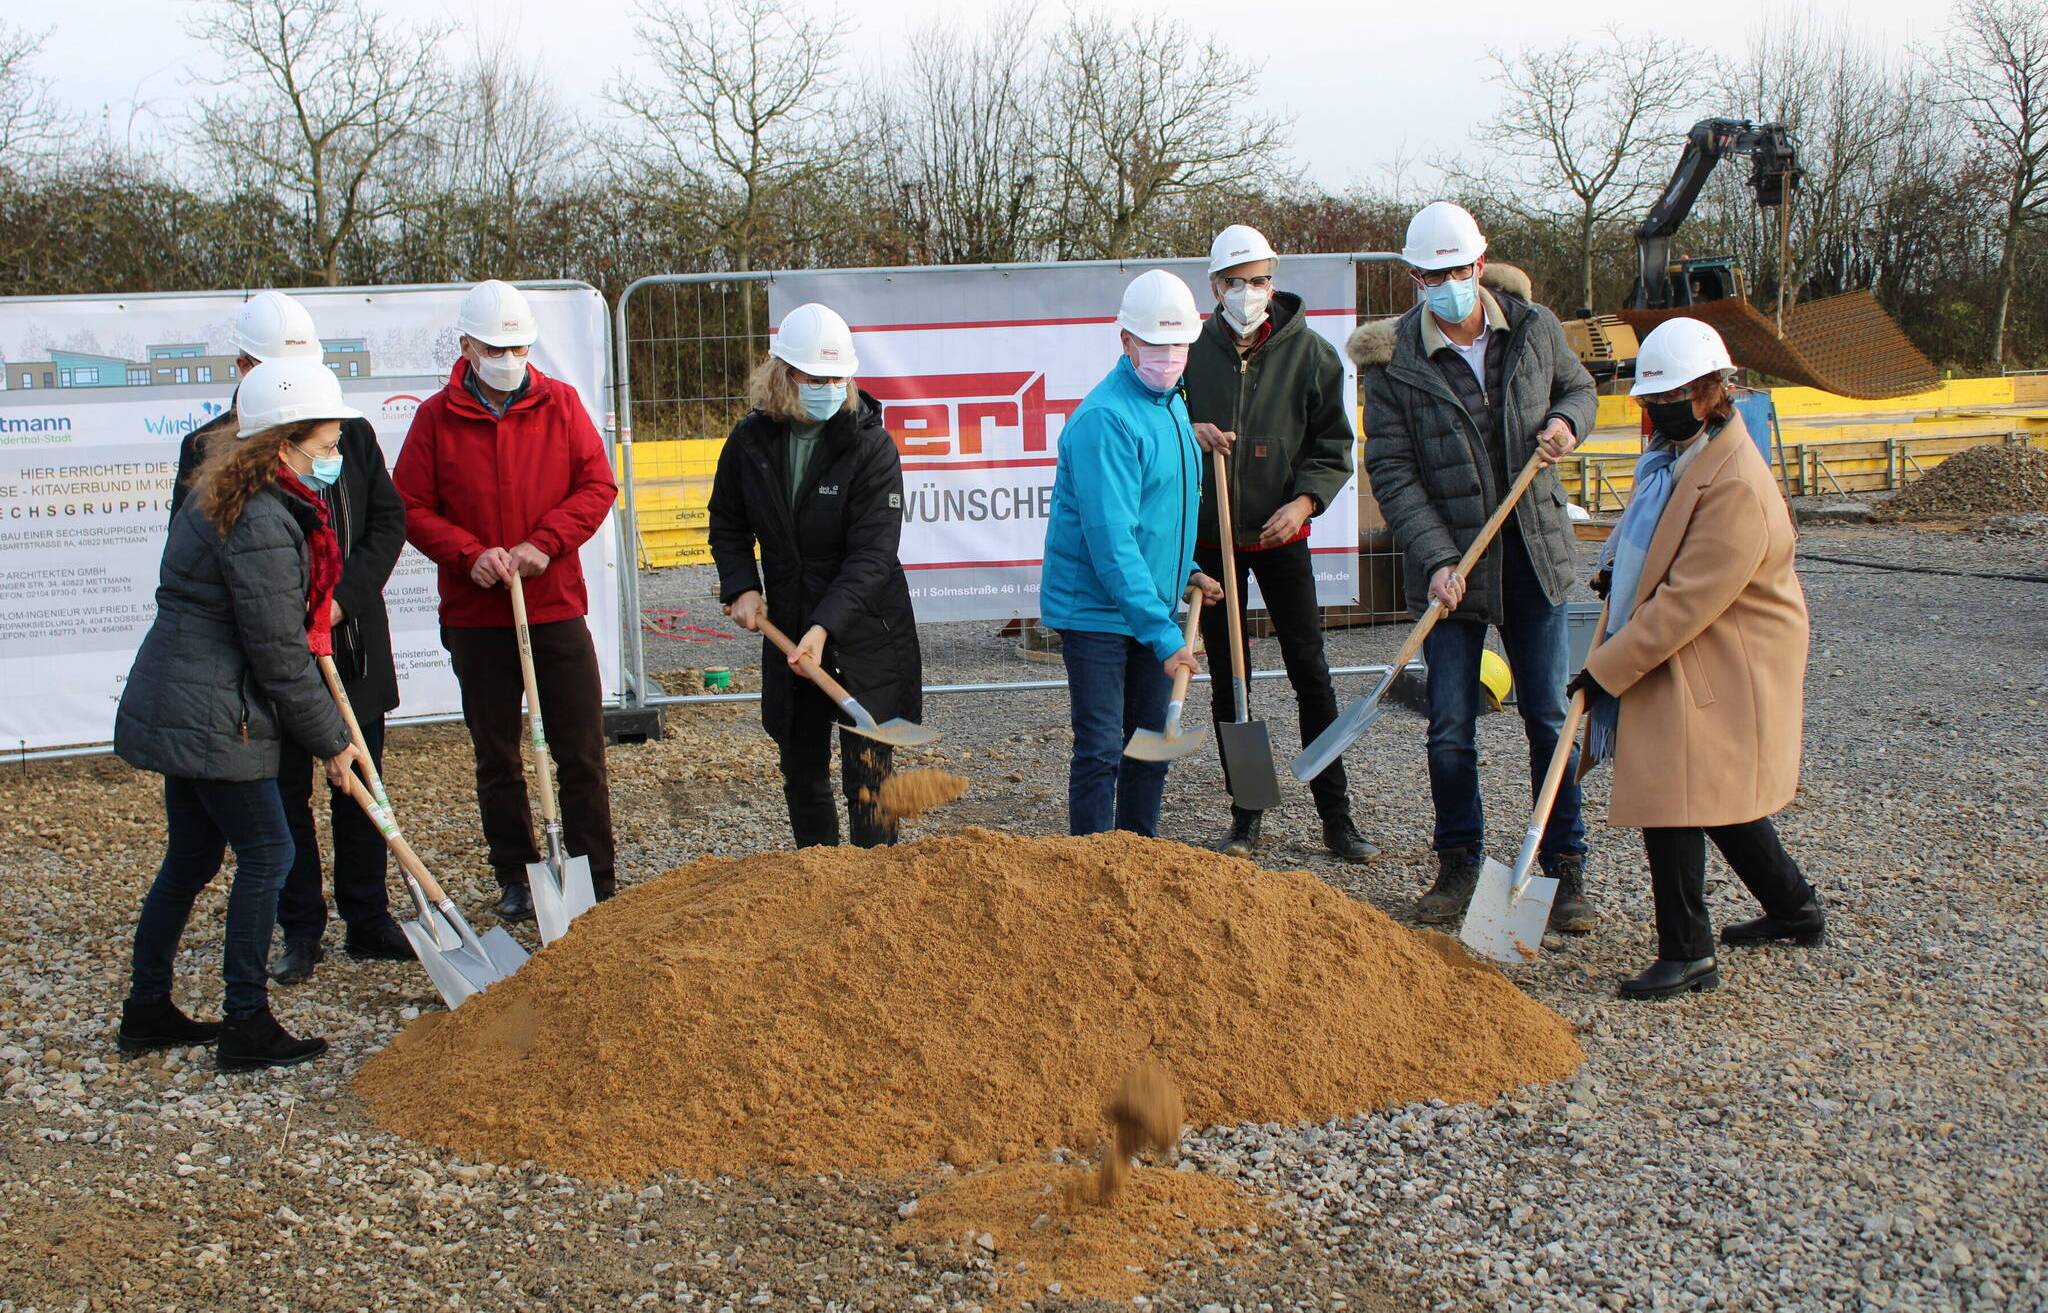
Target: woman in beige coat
x,y
1698,685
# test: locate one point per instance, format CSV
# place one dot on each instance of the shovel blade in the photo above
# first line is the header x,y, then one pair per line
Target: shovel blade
x,y
899,733
1248,762
1157,745
559,897
503,951
1349,726
1504,927
446,968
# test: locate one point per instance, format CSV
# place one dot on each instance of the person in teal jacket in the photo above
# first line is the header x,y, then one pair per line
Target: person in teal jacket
x,y
1119,555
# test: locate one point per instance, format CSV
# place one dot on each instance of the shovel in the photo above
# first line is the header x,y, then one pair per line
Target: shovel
x,y
1247,747
457,959
561,884
897,733
1171,743
1357,718
1510,908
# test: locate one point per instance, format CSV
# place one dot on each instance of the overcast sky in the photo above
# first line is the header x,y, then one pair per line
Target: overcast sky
x,y
1367,82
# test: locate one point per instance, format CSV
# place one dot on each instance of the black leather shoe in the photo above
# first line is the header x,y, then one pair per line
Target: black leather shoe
x,y
1243,839
516,903
1669,976
256,1041
158,1024
381,941
1457,875
297,961
1806,927
1344,841
606,890
1572,911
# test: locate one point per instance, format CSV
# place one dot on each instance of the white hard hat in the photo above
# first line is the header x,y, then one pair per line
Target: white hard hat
x,y
1443,236
289,391
496,314
1675,353
1240,243
814,339
272,326
1158,308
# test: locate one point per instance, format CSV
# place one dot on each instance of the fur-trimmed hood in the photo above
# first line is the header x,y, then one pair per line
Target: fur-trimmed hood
x,y
1371,344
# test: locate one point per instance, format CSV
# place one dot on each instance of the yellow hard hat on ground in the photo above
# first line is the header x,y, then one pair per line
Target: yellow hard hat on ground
x,y
1495,678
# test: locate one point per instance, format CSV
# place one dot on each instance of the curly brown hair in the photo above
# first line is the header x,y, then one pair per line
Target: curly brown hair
x,y
235,471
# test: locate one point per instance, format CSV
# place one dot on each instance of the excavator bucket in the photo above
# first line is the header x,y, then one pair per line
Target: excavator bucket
x,y
1843,344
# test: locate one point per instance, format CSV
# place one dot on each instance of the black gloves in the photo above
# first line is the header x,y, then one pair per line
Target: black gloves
x,y
1583,682
1600,583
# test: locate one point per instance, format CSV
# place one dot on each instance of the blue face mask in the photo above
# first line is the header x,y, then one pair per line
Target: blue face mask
x,y
326,469
821,400
1452,299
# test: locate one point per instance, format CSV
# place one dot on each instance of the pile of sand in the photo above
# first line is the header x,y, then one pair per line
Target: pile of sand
x,y
1989,480
966,997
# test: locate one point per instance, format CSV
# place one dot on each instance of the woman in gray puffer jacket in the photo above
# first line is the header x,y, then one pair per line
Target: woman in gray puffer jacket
x,y
226,673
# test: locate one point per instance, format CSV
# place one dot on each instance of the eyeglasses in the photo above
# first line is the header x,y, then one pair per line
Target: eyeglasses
x,y
1666,398
1264,282
1437,277
500,352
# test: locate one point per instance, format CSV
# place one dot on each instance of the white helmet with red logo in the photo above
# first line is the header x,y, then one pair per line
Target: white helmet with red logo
x,y
1675,353
496,314
1158,308
1443,236
814,339
272,326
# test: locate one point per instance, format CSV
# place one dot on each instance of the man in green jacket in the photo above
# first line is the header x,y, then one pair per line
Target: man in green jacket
x,y
1269,394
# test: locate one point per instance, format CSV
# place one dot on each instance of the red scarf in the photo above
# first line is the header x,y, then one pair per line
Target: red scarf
x,y
324,551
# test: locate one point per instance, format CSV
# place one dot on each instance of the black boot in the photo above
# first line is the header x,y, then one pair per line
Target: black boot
x,y
297,961
1572,911
1457,875
1344,841
158,1024
1805,927
379,941
255,1041
1669,976
1243,839
516,903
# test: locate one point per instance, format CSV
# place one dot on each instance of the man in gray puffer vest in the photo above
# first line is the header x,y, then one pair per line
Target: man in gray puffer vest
x,y
1459,395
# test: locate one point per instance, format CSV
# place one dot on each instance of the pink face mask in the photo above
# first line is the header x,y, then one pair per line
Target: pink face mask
x,y
1161,366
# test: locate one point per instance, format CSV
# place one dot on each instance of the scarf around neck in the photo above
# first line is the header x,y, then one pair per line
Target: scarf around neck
x,y
323,552
1623,558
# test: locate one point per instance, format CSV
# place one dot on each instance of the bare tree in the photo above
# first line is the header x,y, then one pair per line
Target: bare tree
x,y
740,111
1573,138
315,98
1994,76
1147,122
28,116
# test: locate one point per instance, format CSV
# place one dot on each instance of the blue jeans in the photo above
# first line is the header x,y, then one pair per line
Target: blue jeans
x,y
1538,646
205,817
1114,685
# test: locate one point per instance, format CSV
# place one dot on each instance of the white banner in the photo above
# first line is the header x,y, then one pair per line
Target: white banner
x,y
977,370
99,392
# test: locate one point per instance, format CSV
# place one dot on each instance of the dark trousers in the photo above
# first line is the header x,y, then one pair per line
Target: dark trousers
x,y
203,818
1114,686
359,893
1678,880
807,776
1287,584
572,710
1539,648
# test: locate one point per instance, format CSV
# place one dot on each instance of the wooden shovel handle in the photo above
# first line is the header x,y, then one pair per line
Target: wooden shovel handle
x,y
1553,779
1187,633
394,840
811,669
543,765
348,718
1471,557
1225,531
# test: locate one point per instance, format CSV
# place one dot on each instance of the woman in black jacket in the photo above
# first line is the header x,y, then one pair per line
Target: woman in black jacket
x,y
225,675
811,477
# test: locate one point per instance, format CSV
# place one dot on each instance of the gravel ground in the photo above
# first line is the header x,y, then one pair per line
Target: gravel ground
x,y
1856,1126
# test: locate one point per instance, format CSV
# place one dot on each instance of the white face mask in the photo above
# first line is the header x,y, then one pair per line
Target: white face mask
x,y
505,373
1244,308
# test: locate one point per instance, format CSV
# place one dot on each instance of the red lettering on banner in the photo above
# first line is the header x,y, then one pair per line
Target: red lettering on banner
x,y
969,415
932,423
972,413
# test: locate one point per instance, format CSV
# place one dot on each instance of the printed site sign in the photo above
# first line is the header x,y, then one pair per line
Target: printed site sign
x,y
977,370
99,392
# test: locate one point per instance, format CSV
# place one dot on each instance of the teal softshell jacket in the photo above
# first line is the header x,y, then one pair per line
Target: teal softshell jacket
x,y
1120,543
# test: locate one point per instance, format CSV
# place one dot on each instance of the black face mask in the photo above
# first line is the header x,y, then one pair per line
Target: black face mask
x,y
1672,421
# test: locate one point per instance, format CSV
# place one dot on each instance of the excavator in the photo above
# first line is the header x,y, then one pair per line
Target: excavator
x,y
1843,344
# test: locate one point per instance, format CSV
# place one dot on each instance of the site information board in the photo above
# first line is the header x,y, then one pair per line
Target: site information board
x,y
100,391
977,370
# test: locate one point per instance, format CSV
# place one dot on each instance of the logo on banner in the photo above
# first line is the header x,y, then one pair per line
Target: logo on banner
x,y
171,425
35,424
982,418
400,406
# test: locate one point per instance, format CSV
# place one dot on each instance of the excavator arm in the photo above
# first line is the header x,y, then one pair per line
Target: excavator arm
x,y
1774,165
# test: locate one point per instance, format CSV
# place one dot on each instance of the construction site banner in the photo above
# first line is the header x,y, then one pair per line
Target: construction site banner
x,y
99,393
977,369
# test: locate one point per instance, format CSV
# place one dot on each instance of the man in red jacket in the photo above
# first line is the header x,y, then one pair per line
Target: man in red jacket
x,y
503,474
